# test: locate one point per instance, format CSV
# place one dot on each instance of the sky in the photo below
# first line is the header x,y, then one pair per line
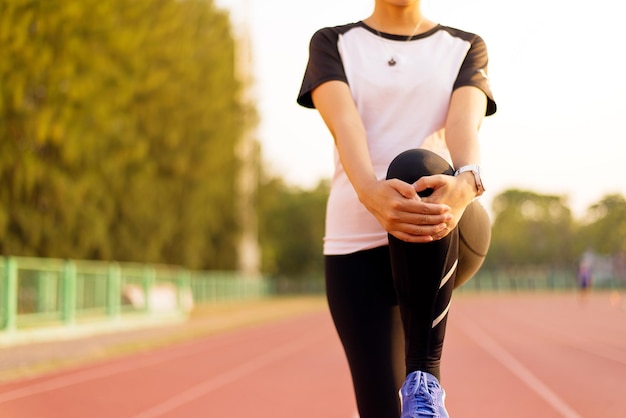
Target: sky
x,y
556,69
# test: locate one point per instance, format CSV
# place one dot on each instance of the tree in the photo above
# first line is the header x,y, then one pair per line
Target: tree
x,y
605,229
531,229
118,123
291,229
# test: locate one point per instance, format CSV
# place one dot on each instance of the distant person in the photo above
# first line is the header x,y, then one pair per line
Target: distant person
x,y
403,98
584,278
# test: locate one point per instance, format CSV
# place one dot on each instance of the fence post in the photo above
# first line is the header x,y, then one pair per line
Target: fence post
x,y
149,278
183,289
10,295
114,287
68,298
46,291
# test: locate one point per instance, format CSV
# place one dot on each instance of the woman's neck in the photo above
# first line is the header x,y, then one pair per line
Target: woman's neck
x,y
397,20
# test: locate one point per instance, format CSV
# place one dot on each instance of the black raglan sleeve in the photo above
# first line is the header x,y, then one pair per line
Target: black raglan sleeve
x,y
473,72
324,64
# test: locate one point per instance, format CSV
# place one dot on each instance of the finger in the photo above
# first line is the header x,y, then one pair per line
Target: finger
x,y
418,233
442,234
425,219
421,207
434,181
405,189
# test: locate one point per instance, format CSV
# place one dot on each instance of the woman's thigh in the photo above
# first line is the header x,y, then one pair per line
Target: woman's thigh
x,y
363,305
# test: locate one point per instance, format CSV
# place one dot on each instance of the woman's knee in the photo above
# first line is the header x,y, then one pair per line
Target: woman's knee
x,y
412,164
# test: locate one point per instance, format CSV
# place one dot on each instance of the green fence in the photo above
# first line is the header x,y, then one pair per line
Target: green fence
x,y
41,293
53,295
539,279
219,286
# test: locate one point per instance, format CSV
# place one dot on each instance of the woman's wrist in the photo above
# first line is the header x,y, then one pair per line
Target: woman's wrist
x,y
474,170
470,189
364,189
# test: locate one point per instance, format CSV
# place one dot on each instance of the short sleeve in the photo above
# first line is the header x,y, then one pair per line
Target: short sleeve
x,y
324,64
474,72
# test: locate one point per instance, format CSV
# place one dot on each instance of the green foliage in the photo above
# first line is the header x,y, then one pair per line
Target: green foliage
x,y
533,229
118,123
605,230
530,228
291,229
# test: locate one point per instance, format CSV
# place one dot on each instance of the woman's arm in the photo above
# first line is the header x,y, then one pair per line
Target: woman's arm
x,y
465,115
394,203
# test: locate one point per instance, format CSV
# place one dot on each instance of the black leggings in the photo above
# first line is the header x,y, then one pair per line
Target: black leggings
x,y
390,304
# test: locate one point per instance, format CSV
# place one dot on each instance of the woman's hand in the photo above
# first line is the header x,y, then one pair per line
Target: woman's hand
x,y
398,208
456,191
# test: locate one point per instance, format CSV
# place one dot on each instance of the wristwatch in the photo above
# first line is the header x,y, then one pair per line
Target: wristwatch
x,y
480,189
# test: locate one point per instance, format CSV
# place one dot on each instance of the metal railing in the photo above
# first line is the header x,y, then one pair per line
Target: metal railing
x,y
535,279
44,293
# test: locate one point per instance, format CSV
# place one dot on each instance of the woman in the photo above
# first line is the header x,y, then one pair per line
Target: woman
x,y
390,88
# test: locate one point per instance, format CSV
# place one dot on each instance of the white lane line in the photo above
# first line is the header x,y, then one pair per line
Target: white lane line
x,y
106,371
518,369
234,374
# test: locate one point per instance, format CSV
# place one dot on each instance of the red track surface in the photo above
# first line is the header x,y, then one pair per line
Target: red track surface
x,y
506,357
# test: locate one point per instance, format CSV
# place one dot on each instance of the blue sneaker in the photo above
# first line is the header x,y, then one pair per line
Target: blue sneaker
x,y
422,396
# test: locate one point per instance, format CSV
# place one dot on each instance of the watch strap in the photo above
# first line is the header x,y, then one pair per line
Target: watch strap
x,y
475,169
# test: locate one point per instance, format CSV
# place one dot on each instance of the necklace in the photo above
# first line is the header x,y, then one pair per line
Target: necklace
x,y
391,62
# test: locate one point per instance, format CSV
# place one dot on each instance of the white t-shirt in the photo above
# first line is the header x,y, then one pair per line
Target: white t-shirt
x,y
402,89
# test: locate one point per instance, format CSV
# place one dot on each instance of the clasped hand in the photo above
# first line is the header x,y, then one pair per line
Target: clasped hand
x,y
411,218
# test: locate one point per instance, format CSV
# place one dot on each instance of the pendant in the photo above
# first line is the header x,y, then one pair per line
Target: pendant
x,y
391,62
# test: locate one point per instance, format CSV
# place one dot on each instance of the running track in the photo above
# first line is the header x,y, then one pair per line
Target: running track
x,y
506,356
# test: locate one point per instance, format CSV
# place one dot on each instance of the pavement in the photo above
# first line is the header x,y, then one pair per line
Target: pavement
x,y
22,361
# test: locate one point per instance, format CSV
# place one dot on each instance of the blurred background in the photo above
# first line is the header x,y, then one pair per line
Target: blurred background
x,y
158,143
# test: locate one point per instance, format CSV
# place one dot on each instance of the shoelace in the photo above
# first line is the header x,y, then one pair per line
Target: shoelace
x,y
425,401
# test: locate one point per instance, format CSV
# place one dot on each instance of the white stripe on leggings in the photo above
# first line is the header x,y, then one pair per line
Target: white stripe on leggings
x,y
442,284
447,276
441,316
